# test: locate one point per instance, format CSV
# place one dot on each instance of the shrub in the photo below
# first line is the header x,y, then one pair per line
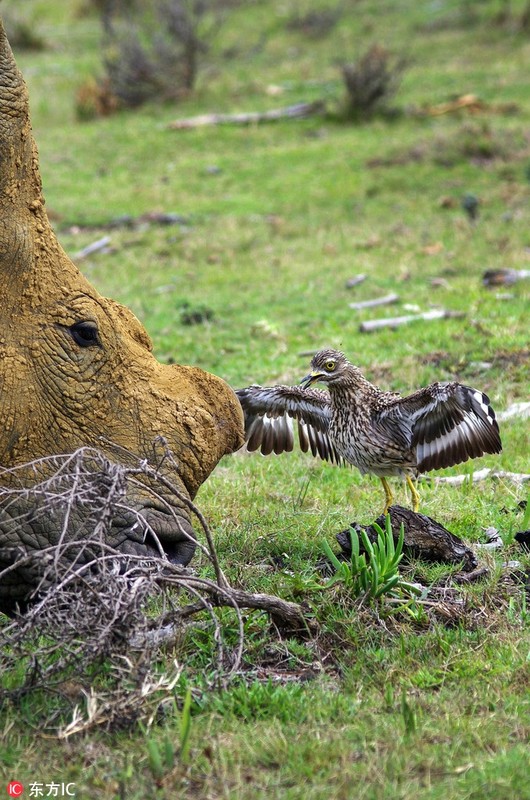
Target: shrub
x,y
371,82
152,49
95,99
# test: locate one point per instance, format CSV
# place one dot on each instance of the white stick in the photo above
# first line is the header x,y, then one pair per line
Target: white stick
x,y
297,111
515,410
394,322
379,301
99,244
481,474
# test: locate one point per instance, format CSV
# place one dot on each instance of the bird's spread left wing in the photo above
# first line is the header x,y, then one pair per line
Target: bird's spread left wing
x,y
269,413
450,423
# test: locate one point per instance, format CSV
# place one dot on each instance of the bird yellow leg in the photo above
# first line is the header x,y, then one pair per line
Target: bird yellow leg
x,y
389,497
414,493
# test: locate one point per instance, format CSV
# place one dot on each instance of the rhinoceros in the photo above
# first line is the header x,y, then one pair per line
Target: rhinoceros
x,y
77,370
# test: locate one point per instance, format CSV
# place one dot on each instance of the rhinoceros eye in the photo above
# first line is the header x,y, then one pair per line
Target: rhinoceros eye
x,y
85,334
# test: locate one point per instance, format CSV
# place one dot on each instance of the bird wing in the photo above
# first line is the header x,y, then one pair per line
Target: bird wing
x,y
450,423
269,414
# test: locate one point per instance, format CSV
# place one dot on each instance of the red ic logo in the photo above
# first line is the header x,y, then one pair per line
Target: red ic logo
x,y
15,789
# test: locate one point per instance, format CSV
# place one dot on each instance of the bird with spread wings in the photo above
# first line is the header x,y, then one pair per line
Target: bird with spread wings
x,y
382,433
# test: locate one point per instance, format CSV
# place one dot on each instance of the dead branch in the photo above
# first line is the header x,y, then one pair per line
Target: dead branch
x,y
515,410
378,301
480,475
424,538
286,615
394,322
297,111
504,277
100,245
469,103
355,280
96,611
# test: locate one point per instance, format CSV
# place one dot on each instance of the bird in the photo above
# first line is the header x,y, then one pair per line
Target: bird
x,y
382,433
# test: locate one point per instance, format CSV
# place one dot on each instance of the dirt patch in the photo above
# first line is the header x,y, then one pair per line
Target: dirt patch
x,y
475,142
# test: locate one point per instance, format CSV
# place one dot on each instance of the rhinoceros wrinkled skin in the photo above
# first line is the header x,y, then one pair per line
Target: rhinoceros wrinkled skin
x,y
76,369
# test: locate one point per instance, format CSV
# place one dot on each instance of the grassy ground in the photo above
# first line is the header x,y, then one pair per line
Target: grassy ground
x,y
277,219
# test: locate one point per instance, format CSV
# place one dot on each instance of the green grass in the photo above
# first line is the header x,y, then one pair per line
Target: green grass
x,y
436,707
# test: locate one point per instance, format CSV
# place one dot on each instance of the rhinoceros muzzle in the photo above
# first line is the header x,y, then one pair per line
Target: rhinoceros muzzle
x,y
163,532
146,533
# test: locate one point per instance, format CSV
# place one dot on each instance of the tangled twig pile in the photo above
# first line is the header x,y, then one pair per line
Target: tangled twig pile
x,y
99,630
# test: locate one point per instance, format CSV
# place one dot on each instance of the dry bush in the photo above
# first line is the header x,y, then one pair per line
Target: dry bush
x,y
152,49
372,82
95,641
95,99
95,635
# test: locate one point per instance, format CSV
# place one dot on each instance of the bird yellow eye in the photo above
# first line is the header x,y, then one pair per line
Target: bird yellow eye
x,y
329,366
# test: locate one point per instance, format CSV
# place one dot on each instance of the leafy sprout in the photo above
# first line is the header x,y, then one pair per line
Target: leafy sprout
x,y
374,572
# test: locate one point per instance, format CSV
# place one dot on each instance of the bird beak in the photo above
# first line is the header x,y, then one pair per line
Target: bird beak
x,y
313,377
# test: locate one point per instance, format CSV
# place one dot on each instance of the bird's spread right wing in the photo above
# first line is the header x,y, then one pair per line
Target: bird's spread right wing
x,y
450,423
269,414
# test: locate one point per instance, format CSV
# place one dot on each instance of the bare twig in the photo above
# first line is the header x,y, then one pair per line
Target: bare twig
x,y
481,475
394,322
378,301
297,111
355,280
95,247
99,611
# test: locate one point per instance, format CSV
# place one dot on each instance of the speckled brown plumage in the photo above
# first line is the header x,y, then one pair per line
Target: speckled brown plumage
x,y
378,432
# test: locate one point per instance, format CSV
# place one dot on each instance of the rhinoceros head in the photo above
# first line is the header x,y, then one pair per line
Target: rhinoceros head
x,y
76,369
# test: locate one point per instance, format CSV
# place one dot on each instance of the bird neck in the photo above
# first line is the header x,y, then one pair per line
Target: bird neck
x,y
352,390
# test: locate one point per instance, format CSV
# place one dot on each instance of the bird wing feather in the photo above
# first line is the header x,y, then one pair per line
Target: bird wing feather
x,y
450,423
269,413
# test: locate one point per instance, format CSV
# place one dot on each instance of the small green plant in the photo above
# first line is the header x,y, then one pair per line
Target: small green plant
x,y
408,714
518,611
161,755
185,728
374,572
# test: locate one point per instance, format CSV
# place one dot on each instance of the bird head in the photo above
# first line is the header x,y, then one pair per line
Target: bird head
x,y
327,366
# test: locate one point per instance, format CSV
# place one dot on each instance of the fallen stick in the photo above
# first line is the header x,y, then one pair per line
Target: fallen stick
x,y
284,613
469,103
394,322
378,301
355,281
297,111
94,247
481,475
515,410
504,277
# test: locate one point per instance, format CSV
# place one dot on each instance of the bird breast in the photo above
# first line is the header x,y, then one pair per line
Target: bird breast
x,y
366,444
